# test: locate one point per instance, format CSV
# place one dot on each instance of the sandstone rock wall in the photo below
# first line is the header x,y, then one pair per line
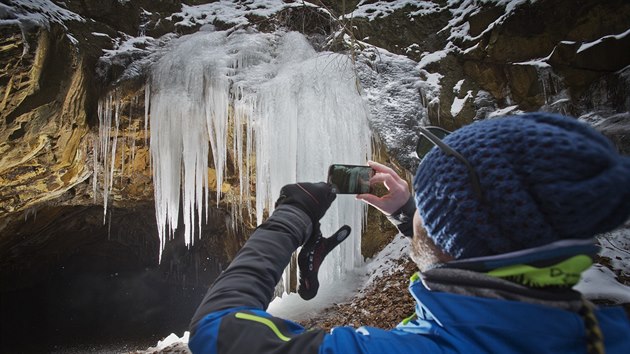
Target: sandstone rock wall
x,y
44,120
52,80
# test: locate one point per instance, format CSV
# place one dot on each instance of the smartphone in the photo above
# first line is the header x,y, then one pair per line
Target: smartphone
x,y
350,179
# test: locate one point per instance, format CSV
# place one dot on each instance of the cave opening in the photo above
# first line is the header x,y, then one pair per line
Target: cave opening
x,y
68,279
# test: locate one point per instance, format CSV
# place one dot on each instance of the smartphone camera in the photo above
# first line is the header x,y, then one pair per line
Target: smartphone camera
x,y
350,179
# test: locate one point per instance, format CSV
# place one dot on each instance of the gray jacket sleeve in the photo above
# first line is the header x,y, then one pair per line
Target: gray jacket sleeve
x,y
403,217
250,279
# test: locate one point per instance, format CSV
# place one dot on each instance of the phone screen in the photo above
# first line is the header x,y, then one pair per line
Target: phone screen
x,y
350,179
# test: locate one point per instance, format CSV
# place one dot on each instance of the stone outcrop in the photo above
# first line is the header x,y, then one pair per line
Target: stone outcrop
x,y
529,57
44,120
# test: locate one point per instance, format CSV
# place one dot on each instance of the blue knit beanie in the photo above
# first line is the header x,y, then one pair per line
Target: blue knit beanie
x,y
544,178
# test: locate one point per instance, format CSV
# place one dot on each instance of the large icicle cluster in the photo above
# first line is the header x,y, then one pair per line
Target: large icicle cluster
x,y
297,110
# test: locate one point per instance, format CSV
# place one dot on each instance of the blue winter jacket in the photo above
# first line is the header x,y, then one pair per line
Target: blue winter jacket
x,y
231,319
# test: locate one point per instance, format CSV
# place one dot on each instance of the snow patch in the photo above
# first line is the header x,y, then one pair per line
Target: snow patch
x,y
462,10
598,283
99,34
229,12
379,9
458,86
428,58
503,111
170,340
541,62
588,45
458,103
616,247
386,261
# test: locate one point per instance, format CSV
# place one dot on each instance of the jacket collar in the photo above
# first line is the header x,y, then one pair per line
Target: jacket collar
x,y
485,301
439,292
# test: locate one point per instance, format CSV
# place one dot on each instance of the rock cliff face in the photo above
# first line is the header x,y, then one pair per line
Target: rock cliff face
x,y
59,59
557,56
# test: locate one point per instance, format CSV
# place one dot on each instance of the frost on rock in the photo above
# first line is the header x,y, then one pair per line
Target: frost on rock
x,y
395,91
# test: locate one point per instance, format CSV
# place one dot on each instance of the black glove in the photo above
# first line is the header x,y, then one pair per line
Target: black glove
x,y
311,257
312,198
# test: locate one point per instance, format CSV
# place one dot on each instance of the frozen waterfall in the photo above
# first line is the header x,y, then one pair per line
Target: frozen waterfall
x,y
280,110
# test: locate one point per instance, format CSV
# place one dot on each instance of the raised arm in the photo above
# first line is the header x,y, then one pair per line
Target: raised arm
x,y
397,204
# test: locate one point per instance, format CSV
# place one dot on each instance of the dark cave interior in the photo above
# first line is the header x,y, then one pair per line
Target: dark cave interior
x,y
68,279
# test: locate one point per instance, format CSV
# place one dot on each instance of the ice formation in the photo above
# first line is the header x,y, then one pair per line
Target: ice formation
x,y
105,146
282,111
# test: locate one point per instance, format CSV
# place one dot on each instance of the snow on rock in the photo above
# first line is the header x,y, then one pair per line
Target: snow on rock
x,y
458,103
461,10
134,54
540,62
601,283
171,339
37,12
616,247
458,86
171,344
428,58
230,12
29,14
387,261
598,283
588,45
504,111
99,34
377,9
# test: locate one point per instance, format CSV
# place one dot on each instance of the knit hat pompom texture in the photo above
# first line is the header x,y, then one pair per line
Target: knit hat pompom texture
x,y
544,177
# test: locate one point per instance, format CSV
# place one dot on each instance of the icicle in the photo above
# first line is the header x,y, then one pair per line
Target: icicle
x,y
147,100
105,119
112,164
134,130
95,164
544,87
122,152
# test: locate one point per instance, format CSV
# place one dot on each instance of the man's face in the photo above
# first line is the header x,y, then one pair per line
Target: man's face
x,y
423,250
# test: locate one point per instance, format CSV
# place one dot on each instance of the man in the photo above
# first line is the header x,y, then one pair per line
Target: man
x,y
506,213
